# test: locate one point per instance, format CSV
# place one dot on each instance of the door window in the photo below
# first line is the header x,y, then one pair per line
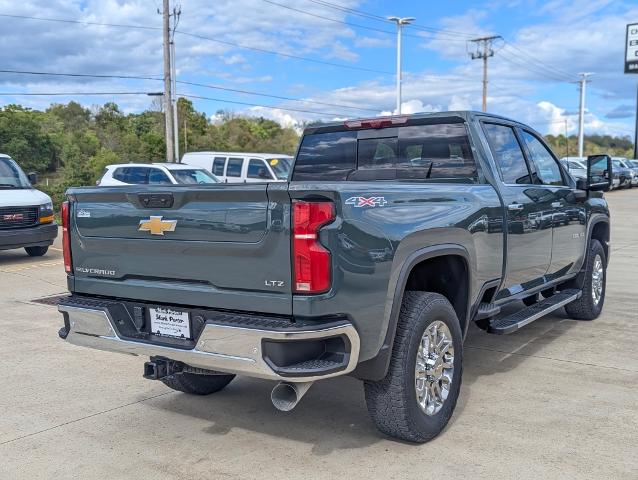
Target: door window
x,y
218,166
157,177
257,169
133,175
547,170
233,169
507,154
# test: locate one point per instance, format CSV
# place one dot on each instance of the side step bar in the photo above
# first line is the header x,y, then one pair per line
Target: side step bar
x,y
511,323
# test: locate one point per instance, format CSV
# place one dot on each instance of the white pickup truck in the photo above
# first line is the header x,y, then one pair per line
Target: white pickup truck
x,y
26,214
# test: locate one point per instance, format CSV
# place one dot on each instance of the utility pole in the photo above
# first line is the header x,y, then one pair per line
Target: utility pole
x,y
400,23
484,54
168,97
581,113
174,102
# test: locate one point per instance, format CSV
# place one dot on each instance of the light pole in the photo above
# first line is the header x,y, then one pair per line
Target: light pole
x,y
400,22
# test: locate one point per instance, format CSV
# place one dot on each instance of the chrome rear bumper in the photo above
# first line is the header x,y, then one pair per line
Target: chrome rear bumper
x,y
223,348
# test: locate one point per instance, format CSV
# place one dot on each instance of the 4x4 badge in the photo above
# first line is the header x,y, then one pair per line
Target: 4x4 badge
x,y
359,202
157,226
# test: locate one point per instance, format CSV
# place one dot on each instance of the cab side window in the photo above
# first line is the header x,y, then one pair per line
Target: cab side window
x,y
547,169
157,177
233,169
132,175
218,166
507,154
257,169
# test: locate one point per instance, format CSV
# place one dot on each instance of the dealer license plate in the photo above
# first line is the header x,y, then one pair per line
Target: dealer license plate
x,y
170,323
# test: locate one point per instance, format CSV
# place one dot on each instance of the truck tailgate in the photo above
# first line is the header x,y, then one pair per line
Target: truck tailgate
x,y
222,246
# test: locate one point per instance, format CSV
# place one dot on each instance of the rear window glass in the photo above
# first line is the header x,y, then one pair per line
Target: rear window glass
x,y
326,156
233,169
133,175
420,152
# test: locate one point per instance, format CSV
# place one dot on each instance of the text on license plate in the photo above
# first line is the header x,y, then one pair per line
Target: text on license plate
x,y
170,323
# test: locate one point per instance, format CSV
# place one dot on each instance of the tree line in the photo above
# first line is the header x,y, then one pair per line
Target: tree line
x,y
70,144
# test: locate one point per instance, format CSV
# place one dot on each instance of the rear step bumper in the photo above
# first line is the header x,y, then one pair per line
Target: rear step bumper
x,y
301,354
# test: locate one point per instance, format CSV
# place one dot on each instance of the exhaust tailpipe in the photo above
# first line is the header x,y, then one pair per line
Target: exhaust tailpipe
x,y
286,395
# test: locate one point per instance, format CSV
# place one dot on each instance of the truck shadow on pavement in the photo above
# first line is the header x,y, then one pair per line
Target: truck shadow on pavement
x,y
333,416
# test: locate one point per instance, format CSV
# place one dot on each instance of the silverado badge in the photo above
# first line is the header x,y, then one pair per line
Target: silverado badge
x,y
157,226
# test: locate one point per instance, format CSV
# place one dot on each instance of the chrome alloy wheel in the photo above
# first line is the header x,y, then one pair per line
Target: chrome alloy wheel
x,y
434,368
597,277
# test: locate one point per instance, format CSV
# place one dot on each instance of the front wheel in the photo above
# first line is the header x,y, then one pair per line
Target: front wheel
x,y
415,400
590,304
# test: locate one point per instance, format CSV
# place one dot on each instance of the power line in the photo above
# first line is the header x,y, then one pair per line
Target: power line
x,y
521,63
538,61
60,94
81,75
202,37
372,16
263,106
278,97
342,22
194,84
80,22
287,55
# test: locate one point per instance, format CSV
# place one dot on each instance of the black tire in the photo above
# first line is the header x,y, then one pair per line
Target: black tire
x,y
392,401
36,251
585,308
196,384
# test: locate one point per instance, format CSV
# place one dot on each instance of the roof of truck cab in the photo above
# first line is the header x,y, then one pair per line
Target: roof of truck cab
x,y
241,154
466,115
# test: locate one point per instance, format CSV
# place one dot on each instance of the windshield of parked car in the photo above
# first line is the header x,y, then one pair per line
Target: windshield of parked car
x,y
281,167
633,163
194,176
617,164
576,165
11,175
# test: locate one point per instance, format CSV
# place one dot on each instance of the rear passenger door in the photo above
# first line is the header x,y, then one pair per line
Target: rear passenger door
x,y
569,218
529,211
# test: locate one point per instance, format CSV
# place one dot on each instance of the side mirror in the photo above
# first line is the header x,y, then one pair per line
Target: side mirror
x,y
33,178
599,173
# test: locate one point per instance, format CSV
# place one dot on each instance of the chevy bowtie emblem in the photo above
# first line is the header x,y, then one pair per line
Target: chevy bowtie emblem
x,y
157,226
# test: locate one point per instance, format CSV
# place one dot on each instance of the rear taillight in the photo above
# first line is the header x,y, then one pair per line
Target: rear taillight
x,y
66,241
312,262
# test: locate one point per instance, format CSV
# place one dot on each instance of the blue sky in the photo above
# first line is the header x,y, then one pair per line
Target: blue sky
x,y
545,45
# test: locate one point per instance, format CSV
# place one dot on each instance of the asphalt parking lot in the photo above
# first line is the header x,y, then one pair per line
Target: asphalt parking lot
x,y
558,399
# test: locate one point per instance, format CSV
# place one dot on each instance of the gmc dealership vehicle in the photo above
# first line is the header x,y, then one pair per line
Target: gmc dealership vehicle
x,y
391,237
26,214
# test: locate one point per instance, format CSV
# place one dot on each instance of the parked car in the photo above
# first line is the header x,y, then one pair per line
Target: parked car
x,y
632,169
624,174
26,214
155,174
233,167
365,263
574,166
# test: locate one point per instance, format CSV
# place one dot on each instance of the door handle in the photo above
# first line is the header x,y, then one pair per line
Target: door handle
x,y
515,207
557,204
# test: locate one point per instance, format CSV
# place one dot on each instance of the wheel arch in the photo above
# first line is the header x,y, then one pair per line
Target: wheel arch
x,y
412,270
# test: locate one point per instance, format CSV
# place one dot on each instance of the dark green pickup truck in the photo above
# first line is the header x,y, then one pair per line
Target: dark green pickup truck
x,y
392,235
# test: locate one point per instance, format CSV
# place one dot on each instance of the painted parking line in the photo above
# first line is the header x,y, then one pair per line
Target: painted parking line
x,y
33,266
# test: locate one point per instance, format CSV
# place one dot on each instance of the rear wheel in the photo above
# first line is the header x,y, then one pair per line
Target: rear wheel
x,y
196,384
36,251
590,304
415,400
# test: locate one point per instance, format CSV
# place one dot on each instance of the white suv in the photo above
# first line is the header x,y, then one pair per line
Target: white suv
x,y
233,167
155,174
